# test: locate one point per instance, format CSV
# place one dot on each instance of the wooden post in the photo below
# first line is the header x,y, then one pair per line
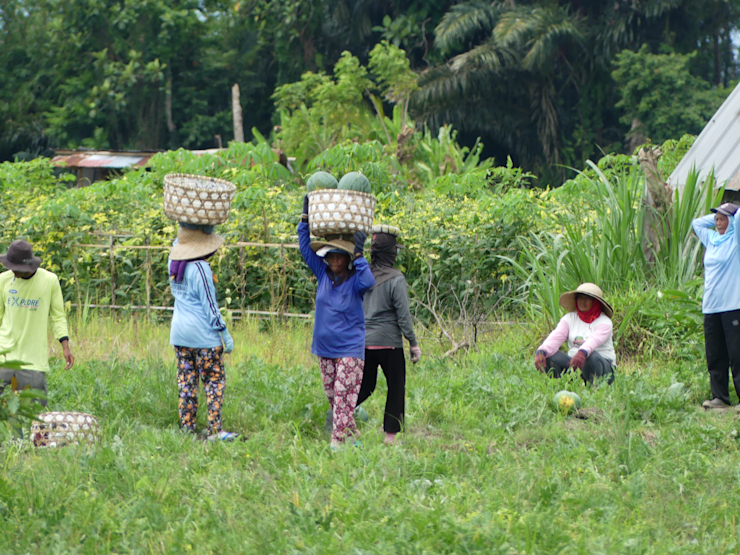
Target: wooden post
x,y
112,271
148,265
77,280
283,279
242,272
237,113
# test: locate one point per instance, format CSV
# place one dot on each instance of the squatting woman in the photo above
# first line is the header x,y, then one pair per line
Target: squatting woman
x,y
588,330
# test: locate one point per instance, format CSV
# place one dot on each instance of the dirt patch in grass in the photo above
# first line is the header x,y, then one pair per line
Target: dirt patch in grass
x,y
590,413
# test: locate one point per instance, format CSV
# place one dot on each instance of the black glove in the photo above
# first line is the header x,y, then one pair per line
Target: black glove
x,y
304,216
360,239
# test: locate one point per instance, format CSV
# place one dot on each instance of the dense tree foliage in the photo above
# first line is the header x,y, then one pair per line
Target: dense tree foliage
x,y
532,77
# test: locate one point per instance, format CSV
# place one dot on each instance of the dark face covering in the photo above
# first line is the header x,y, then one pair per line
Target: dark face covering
x,y
383,252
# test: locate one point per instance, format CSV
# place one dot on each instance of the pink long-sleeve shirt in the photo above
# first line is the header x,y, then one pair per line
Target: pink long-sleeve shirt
x,y
596,336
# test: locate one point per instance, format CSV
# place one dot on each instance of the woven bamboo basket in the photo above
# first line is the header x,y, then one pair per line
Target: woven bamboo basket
x,y
64,428
336,211
197,199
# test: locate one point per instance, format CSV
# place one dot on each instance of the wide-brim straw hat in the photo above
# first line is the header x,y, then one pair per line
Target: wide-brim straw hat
x,y
334,242
568,300
20,257
193,243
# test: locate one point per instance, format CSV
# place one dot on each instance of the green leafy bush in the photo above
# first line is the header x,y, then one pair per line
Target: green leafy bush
x,y
460,232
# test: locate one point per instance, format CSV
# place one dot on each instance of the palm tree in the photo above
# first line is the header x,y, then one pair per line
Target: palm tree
x,y
525,72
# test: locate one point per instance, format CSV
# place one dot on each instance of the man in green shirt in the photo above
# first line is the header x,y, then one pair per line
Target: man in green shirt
x,y
29,297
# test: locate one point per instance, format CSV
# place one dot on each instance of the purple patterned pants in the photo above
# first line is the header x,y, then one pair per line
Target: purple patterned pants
x,y
342,379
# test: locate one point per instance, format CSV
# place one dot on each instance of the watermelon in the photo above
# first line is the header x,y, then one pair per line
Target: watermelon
x,y
321,180
566,402
355,181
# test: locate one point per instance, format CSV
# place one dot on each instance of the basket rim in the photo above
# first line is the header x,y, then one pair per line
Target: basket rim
x,y
195,176
344,191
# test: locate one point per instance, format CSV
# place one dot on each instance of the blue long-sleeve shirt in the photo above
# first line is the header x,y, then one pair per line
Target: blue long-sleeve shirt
x,y
721,267
196,322
339,326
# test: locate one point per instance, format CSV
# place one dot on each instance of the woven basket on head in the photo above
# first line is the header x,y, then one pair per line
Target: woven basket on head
x,y
64,428
197,199
336,211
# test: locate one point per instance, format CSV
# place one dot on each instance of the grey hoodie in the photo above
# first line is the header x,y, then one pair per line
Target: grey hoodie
x,y
387,315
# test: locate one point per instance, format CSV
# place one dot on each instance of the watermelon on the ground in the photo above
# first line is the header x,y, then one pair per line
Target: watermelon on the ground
x,y
321,180
566,402
355,181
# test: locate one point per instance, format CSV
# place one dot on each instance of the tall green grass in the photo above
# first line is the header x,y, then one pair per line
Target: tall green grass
x,y
600,237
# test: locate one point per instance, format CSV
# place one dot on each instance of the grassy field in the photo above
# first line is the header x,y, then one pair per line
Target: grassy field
x,y
485,466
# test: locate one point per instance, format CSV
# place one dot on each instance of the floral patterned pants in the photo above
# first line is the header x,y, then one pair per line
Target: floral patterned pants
x,y
342,378
208,365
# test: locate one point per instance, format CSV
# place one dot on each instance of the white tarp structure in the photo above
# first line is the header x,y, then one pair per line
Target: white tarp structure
x,y
716,148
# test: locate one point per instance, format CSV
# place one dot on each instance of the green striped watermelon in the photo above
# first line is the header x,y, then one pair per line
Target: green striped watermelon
x,y
355,181
321,180
566,402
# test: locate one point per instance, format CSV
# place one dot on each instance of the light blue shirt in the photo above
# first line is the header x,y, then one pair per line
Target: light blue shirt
x,y
721,267
196,322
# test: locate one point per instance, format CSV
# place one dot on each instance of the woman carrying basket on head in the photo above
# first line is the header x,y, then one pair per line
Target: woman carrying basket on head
x,y
339,327
388,321
588,330
720,234
198,331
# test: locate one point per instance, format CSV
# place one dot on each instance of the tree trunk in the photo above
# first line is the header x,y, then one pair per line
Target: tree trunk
x,y
237,110
717,59
168,106
658,195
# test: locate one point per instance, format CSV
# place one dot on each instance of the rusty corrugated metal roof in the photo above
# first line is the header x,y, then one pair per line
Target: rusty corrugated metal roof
x,y
716,148
114,159
101,159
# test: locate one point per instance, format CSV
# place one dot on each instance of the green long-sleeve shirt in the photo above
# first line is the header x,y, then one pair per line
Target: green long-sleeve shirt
x,y
27,305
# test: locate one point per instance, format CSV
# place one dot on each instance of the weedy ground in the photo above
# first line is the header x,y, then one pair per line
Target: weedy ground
x,y
486,466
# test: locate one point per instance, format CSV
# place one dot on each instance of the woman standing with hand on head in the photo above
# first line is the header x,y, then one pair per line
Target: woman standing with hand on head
x,y
720,234
339,326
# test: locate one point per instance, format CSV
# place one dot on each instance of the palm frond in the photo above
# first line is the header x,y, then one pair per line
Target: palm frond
x,y
441,85
480,102
514,27
657,8
552,30
545,116
464,21
488,55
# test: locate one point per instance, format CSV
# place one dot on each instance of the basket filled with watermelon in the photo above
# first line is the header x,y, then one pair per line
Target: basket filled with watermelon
x,y
343,207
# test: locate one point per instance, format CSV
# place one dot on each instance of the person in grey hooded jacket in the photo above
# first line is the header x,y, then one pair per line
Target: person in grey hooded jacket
x,y
387,322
